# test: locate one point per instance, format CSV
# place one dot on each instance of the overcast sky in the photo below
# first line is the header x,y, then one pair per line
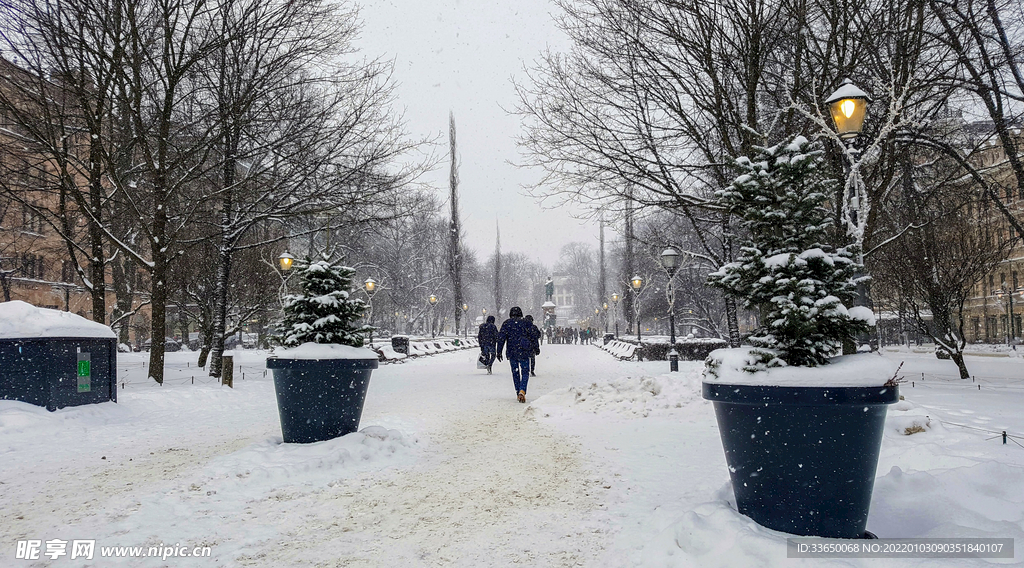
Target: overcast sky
x,y
460,55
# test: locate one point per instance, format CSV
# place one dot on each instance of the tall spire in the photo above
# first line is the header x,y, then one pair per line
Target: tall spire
x,y
497,270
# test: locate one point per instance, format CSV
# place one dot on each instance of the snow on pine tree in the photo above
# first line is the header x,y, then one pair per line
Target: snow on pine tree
x,y
325,312
785,271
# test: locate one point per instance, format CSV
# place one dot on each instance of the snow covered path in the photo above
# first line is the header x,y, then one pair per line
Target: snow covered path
x,y
457,474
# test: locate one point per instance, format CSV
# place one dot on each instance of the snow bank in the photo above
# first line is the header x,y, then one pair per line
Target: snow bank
x,y
20,320
985,500
325,351
726,366
270,464
627,397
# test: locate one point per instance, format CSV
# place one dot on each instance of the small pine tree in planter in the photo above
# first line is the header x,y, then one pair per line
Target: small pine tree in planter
x,y
324,312
801,428
322,375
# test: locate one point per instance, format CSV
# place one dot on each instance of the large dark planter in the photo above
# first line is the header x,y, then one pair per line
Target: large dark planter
x,y
320,399
802,459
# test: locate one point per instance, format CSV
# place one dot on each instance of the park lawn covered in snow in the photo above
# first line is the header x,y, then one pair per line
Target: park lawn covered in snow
x,y
611,464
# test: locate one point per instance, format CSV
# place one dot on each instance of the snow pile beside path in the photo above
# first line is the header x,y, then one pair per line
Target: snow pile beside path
x,y
985,500
628,397
21,320
907,418
271,464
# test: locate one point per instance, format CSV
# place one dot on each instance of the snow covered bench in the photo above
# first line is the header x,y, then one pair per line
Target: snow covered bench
x,y
621,349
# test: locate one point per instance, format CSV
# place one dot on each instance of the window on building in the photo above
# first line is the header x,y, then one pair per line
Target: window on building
x,y
991,283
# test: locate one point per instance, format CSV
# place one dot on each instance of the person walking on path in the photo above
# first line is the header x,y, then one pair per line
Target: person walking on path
x,y
488,338
536,339
516,337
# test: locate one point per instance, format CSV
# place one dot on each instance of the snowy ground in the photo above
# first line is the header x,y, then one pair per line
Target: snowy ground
x,y
611,464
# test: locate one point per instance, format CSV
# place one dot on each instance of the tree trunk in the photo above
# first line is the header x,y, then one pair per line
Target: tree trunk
x,y
958,358
220,310
97,260
159,324
732,321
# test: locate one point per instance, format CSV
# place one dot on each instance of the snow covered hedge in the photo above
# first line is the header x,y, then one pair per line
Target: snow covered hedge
x,y
786,270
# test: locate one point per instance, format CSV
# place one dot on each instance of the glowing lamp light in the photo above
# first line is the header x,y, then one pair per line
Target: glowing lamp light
x,y
848,105
433,299
465,307
615,298
637,282
285,261
370,285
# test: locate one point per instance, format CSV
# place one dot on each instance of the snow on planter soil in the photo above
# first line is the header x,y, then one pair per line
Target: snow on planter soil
x,y
861,370
20,320
325,351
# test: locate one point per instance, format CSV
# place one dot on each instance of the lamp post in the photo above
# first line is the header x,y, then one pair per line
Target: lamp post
x,y
670,260
433,301
605,306
615,312
285,262
848,105
465,315
370,286
637,282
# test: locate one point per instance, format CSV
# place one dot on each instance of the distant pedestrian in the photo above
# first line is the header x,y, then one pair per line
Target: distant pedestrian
x,y
536,339
488,338
516,337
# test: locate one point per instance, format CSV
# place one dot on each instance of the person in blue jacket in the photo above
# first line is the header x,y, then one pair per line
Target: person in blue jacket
x,y
517,339
488,337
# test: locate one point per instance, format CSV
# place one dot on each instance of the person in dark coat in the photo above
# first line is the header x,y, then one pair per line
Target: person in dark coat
x,y
517,339
536,338
488,338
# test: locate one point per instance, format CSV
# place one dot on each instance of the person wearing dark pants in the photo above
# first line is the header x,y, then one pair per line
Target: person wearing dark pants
x,y
517,339
536,338
488,337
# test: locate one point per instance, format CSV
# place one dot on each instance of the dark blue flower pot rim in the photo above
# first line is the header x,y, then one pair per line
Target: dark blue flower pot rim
x,y
298,364
800,396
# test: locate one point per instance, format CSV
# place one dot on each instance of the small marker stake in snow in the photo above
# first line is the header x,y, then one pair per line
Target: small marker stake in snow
x,y
1004,436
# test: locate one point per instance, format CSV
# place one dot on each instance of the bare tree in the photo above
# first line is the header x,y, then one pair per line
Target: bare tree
x,y
454,226
932,267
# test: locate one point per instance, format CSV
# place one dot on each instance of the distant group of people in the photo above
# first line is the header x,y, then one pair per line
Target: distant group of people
x,y
571,335
519,338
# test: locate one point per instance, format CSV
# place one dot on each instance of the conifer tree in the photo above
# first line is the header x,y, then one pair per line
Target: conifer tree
x,y
799,285
324,312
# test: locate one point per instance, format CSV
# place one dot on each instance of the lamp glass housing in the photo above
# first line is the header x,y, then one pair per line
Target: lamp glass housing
x,y
371,285
433,299
848,106
670,258
637,282
285,261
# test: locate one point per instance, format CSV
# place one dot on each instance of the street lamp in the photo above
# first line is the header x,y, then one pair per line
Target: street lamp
x,y
285,261
432,300
615,309
465,309
606,317
848,105
370,286
637,282
670,261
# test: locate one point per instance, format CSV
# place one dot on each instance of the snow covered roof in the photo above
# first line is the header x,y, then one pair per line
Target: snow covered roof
x,y
21,320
